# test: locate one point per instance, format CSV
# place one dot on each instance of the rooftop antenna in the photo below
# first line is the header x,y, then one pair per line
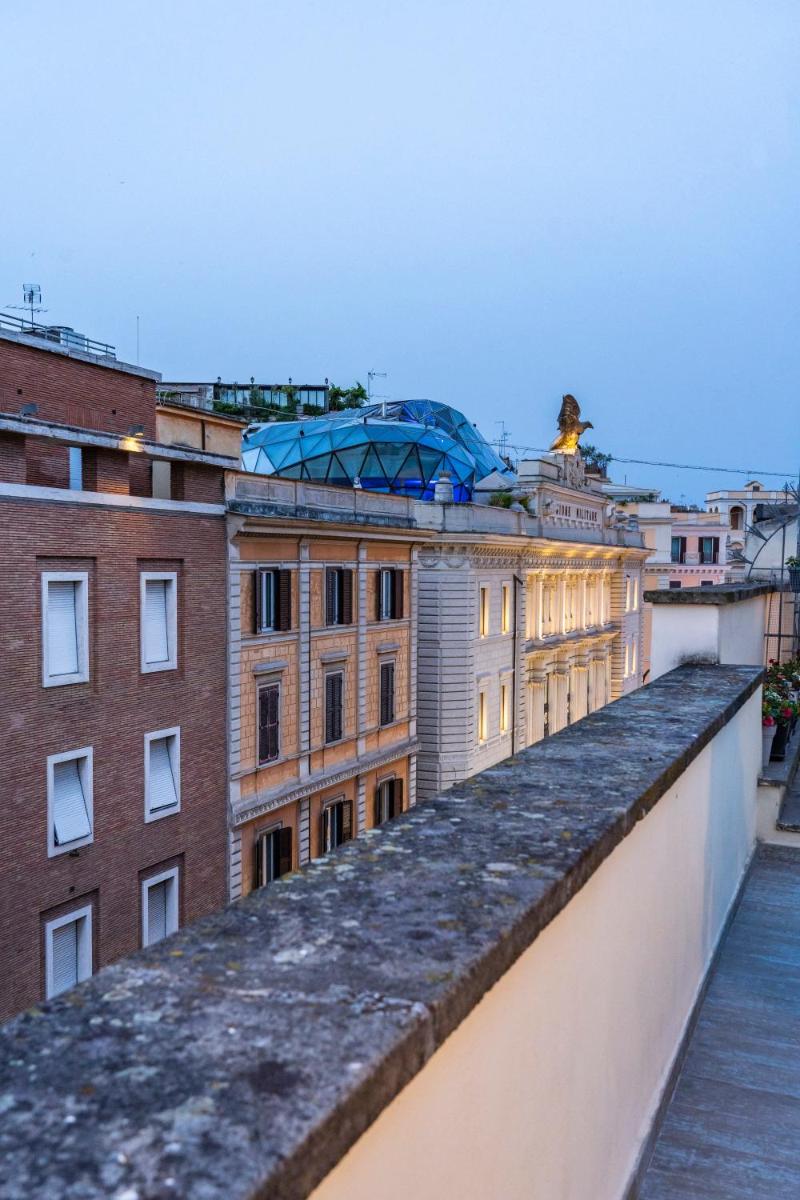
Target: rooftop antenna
x,y
376,375
32,297
502,441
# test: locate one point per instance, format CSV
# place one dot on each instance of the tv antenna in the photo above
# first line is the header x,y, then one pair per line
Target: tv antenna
x,y
32,297
502,441
376,375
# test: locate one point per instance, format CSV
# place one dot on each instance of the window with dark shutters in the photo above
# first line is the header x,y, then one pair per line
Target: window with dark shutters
x,y
272,600
338,596
336,825
388,800
269,722
390,585
334,689
272,856
387,693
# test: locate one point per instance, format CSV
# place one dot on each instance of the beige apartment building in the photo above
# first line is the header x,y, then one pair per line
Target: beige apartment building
x,y
322,670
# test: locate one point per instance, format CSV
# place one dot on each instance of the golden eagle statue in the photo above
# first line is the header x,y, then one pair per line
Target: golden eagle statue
x,y
570,425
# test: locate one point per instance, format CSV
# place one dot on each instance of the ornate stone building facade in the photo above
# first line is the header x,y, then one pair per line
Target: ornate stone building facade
x,y
527,622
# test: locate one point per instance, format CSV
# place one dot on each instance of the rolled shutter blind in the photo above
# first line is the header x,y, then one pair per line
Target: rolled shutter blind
x,y
156,912
163,788
70,812
378,591
329,702
64,957
337,706
156,628
62,628
347,820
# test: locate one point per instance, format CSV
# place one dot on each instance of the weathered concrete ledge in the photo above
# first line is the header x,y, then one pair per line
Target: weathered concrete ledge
x,y
720,593
241,1058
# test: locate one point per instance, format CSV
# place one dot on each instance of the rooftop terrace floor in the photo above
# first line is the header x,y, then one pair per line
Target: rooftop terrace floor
x,y
732,1128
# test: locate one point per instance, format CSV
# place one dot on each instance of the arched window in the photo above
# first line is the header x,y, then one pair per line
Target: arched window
x,y
737,517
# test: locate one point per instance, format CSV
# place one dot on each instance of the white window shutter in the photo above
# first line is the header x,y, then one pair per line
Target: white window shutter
x,y
163,789
62,628
157,912
70,813
64,957
156,621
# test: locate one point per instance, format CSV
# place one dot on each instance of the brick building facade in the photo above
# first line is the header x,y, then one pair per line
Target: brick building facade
x,y
113,728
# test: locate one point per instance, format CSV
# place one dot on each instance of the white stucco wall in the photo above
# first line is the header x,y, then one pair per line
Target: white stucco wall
x,y
547,1090
725,633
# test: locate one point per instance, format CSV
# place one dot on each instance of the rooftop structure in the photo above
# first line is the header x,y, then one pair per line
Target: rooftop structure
x,y
249,397
378,452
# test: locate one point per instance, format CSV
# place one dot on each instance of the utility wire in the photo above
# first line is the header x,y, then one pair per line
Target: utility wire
x,y
647,462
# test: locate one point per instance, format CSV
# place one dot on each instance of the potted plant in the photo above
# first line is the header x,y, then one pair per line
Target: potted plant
x,y
793,563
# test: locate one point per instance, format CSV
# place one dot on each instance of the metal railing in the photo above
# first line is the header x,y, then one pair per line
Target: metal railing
x,y
60,335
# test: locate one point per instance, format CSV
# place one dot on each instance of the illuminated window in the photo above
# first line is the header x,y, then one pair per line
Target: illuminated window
x,y
483,717
505,620
483,616
505,721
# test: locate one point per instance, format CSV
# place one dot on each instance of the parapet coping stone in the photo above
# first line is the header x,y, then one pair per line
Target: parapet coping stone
x,y
242,1057
719,593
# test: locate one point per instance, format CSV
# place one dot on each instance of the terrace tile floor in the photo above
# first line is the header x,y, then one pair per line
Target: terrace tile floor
x,y
732,1128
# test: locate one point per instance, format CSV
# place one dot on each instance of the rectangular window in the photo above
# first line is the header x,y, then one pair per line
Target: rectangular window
x,y
390,594
159,906
269,722
505,719
162,773
627,593
709,549
483,611
627,670
65,628
635,597
337,825
272,608
387,693
338,596
483,717
388,800
67,951
674,584
75,468
161,479
505,611
334,696
159,620
633,656
273,856
70,802
679,549
706,583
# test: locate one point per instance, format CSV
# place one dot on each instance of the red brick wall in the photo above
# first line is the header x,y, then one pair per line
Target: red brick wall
x,y
74,392
111,713
12,458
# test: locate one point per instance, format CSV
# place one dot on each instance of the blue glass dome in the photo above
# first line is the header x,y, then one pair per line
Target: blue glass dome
x,y
401,447
453,423
384,455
